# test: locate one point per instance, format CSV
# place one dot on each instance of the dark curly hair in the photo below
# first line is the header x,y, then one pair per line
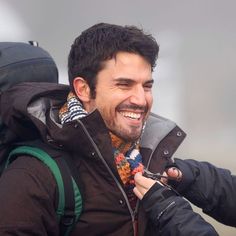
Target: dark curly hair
x,y
102,42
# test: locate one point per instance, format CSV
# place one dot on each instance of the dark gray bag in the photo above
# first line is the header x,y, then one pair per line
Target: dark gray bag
x,y
24,62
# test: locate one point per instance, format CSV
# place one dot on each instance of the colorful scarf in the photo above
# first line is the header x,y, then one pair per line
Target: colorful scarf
x,y
128,162
126,154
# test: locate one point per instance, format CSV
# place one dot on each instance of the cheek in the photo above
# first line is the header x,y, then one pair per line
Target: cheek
x,y
149,99
108,107
104,104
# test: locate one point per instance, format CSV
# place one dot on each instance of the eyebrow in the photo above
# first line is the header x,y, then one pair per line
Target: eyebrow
x,y
128,80
150,81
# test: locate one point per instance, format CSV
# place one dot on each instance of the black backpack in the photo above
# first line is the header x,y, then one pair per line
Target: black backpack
x,y
25,62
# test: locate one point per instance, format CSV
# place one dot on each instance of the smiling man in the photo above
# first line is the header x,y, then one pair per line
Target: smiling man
x,y
106,126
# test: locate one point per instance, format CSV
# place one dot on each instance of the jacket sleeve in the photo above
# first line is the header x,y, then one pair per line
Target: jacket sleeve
x,y
172,215
27,191
210,188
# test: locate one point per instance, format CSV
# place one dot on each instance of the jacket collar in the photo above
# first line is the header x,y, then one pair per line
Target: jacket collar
x,y
92,126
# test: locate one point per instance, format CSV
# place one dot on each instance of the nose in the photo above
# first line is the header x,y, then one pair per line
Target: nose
x,y
138,96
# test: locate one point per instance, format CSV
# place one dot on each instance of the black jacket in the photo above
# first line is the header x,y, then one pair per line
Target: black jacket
x,y
210,188
173,215
28,189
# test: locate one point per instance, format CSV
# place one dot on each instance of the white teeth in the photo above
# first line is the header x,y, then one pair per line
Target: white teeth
x,y
131,115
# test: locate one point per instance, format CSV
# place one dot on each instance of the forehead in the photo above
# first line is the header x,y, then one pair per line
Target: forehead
x,y
127,65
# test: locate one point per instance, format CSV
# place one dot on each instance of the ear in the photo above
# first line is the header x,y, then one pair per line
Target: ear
x,y
82,89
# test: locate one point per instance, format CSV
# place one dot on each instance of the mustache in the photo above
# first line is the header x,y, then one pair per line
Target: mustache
x,y
132,107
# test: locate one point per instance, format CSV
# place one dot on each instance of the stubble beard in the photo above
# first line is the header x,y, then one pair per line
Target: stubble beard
x,y
130,135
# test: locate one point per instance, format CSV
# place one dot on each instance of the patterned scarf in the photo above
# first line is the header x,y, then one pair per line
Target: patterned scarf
x,y
126,155
72,109
128,162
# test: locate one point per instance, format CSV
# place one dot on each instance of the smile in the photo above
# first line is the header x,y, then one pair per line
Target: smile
x,y
131,115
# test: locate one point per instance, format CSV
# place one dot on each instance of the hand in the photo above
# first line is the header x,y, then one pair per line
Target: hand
x,y
143,184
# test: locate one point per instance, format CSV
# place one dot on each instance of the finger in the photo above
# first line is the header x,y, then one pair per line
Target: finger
x,y
164,180
142,190
143,182
174,173
137,193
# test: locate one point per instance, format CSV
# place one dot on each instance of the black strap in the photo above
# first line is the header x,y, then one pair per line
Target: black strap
x,y
67,157
67,220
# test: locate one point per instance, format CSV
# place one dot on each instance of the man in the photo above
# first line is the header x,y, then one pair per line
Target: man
x,y
208,187
106,114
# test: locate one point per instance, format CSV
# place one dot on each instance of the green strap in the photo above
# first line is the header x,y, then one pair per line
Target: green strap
x,y
78,201
52,165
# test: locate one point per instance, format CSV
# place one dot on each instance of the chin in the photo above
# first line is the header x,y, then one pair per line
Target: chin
x,y
131,137
128,134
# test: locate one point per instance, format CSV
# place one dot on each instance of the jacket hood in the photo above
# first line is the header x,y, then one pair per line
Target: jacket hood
x,y
28,109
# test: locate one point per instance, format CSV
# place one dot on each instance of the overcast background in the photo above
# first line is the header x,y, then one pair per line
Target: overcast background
x,y
195,81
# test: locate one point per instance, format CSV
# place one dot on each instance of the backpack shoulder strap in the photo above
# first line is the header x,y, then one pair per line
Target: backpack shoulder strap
x,y
69,198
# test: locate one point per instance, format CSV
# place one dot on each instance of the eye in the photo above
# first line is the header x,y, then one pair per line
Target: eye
x,y
148,86
124,84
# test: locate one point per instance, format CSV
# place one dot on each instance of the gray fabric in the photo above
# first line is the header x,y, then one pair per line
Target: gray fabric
x,y
151,138
39,107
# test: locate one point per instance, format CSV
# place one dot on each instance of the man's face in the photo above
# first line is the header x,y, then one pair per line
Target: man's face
x,y
124,94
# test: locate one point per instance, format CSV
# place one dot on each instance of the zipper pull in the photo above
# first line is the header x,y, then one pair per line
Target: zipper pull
x,y
154,176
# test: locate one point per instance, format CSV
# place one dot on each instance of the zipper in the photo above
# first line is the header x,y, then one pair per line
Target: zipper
x,y
148,164
132,213
137,205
